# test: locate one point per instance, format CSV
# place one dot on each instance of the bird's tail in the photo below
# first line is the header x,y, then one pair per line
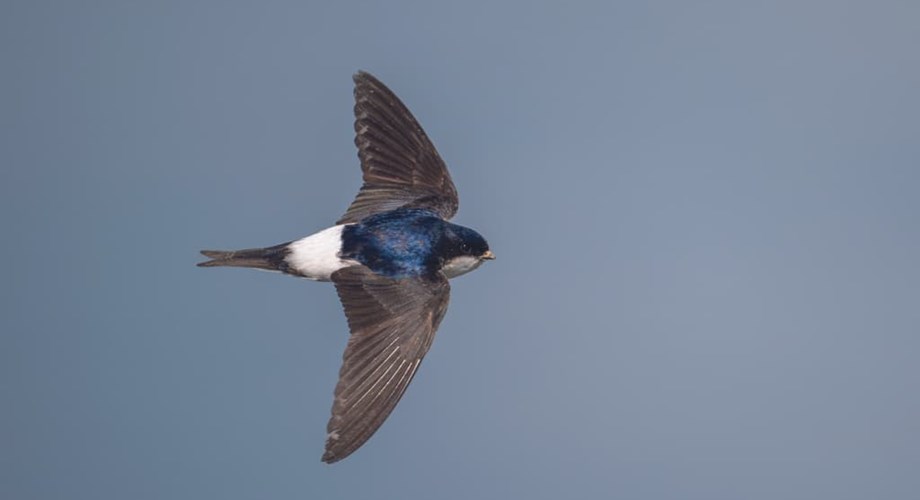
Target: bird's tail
x,y
270,258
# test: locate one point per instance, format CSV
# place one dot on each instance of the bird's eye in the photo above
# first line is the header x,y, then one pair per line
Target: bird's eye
x,y
465,247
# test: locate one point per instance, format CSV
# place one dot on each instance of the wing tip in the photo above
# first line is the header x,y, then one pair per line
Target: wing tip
x,y
363,76
331,457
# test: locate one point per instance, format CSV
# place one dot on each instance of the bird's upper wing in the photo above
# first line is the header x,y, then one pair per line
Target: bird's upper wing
x,y
401,166
392,324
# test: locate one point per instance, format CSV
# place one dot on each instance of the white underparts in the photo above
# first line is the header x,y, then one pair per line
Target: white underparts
x,y
317,256
460,265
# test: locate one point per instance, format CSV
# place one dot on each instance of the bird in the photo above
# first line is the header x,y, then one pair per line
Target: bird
x,y
390,257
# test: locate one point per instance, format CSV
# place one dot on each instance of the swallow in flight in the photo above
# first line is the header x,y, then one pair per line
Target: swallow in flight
x,y
389,256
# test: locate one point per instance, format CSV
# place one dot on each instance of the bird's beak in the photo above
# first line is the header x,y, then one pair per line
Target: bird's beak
x,y
488,255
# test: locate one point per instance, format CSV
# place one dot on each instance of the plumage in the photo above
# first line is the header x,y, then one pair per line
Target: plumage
x,y
317,256
392,323
390,257
401,166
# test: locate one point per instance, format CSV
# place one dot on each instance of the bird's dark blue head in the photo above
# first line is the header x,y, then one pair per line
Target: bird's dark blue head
x,y
412,242
461,250
460,241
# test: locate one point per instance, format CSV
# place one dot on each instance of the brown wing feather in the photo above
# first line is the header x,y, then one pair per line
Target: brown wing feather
x,y
392,324
401,166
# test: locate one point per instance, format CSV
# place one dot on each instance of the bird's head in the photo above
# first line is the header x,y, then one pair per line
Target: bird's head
x,y
463,250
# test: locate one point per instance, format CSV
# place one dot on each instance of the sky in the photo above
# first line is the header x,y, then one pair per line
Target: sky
x,y
705,216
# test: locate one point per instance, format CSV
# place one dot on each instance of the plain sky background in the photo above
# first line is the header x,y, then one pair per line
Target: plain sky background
x,y
706,216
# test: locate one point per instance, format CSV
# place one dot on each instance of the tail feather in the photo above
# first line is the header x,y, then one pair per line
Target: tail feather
x,y
270,259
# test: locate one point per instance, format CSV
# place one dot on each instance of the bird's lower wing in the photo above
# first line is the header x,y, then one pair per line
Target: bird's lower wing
x,y
392,324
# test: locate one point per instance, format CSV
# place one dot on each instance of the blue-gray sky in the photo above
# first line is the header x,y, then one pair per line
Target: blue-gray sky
x,y
705,214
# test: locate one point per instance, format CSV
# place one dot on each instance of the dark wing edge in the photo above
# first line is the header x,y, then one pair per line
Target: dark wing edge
x,y
400,165
392,325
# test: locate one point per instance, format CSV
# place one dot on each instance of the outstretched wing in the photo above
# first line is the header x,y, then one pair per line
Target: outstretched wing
x,y
401,166
392,324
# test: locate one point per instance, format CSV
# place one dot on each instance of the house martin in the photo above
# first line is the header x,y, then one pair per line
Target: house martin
x,y
390,257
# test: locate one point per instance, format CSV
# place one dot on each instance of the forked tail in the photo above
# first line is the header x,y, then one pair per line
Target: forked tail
x,y
270,259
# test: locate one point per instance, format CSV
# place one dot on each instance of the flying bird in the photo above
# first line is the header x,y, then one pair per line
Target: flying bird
x,y
389,256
